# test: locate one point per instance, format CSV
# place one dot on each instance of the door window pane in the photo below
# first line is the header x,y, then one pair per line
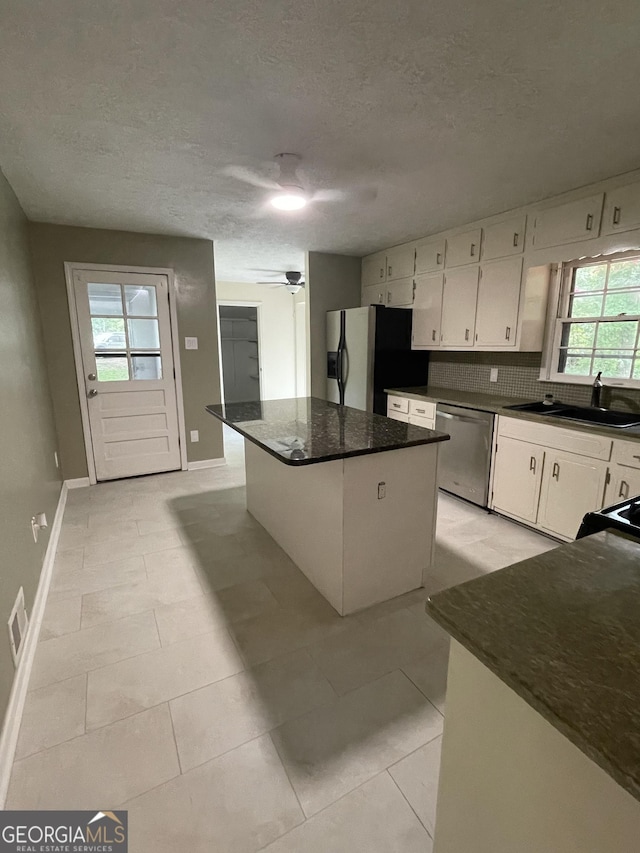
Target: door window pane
x,y
105,299
147,366
108,333
143,334
140,301
112,369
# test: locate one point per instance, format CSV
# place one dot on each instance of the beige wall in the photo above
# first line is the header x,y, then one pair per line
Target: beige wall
x,y
276,331
192,262
29,481
333,282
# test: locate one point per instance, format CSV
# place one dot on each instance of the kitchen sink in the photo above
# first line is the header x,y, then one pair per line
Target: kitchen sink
x,y
582,414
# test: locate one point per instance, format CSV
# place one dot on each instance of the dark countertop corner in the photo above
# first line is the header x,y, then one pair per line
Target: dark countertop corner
x,y
308,430
563,631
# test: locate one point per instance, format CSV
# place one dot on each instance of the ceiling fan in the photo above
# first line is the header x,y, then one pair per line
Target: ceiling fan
x,y
293,281
288,191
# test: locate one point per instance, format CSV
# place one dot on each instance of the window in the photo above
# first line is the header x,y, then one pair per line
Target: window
x,y
598,320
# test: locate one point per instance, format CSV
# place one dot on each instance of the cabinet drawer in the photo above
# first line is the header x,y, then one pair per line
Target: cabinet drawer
x,y
425,423
422,409
626,453
398,416
557,438
397,404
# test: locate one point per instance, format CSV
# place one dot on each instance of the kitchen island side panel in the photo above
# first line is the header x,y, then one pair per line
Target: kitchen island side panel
x,y
301,507
388,541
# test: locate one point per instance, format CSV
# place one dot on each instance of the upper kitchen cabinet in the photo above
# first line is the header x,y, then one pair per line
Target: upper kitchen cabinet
x,y
459,300
622,209
430,255
504,238
400,262
374,269
400,293
374,294
498,303
464,248
427,310
568,223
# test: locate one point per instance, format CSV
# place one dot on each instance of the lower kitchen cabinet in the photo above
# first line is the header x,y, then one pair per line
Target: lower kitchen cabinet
x,y
571,486
624,483
518,478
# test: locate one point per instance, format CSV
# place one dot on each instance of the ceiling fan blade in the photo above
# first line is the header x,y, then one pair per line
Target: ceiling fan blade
x,y
272,283
329,195
240,173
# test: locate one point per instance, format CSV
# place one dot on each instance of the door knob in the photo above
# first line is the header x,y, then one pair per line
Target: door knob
x,y
91,377
92,393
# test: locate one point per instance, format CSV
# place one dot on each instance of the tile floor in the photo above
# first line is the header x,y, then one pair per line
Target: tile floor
x,y
188,672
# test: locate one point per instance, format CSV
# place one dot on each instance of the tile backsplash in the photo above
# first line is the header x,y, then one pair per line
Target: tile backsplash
x,y
518,376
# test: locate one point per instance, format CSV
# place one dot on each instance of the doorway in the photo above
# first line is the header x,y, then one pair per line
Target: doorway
x,y
240,351
125,365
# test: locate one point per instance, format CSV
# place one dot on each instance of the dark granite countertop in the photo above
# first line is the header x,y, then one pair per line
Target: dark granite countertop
x,y
563,631
498,405
307,430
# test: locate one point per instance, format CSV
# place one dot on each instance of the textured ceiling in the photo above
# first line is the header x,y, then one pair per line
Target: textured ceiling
x,y
123,115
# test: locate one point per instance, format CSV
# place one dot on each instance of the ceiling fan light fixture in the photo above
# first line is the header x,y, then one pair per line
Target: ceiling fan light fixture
x,y
293,288
289,199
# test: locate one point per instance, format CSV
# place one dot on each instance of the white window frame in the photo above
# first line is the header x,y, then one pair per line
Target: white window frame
x,y
559,302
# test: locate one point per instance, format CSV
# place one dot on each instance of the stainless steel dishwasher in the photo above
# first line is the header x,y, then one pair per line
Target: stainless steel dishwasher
x,y
464,461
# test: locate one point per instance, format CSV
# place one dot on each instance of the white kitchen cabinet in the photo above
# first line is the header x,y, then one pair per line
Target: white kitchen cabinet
x,y
425,423
398,416
624,483
430,255
400,293
459,300
374,269
517,478
400,262
427,310
464,248
422,409
572,485
622,209
504,238
374,294
568,222
498,302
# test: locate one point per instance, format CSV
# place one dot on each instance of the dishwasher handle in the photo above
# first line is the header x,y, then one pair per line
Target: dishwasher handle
x,y
464,418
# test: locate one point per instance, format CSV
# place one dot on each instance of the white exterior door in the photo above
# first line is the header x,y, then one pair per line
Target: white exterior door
x,y
127,362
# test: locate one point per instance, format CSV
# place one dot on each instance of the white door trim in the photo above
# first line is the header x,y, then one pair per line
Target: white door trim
x,y
69,268
241,303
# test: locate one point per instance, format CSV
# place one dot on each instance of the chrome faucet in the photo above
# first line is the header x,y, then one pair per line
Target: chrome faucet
x,y
596,391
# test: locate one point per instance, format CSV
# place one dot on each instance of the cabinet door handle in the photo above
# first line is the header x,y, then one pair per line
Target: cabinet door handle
x,y
433,335
473,249
556,471
381,272
508,333
388,270
589,222
624,489
466,334
532,464
388,297
635,456
516,237
438,258
616,215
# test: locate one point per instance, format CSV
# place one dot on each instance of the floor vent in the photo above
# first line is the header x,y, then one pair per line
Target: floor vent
x,y
18,626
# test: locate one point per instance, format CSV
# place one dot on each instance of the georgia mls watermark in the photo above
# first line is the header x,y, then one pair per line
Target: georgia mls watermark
x,y
63,832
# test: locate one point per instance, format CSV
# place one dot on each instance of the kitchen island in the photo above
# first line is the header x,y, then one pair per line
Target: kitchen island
x,y
541,746
350,496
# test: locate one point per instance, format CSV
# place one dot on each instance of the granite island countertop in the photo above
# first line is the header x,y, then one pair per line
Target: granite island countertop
x,y
308,430
498,405
563,631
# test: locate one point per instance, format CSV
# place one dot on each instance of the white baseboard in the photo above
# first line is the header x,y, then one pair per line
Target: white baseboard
x,y
206,463
78,483
15,707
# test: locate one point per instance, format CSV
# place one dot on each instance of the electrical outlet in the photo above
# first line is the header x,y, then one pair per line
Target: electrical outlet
x,y
195,435
493,375
191,343
55,456
382,491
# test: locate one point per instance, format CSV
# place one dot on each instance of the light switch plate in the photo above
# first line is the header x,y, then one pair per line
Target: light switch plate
x,y
493,376
191,343
195,435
